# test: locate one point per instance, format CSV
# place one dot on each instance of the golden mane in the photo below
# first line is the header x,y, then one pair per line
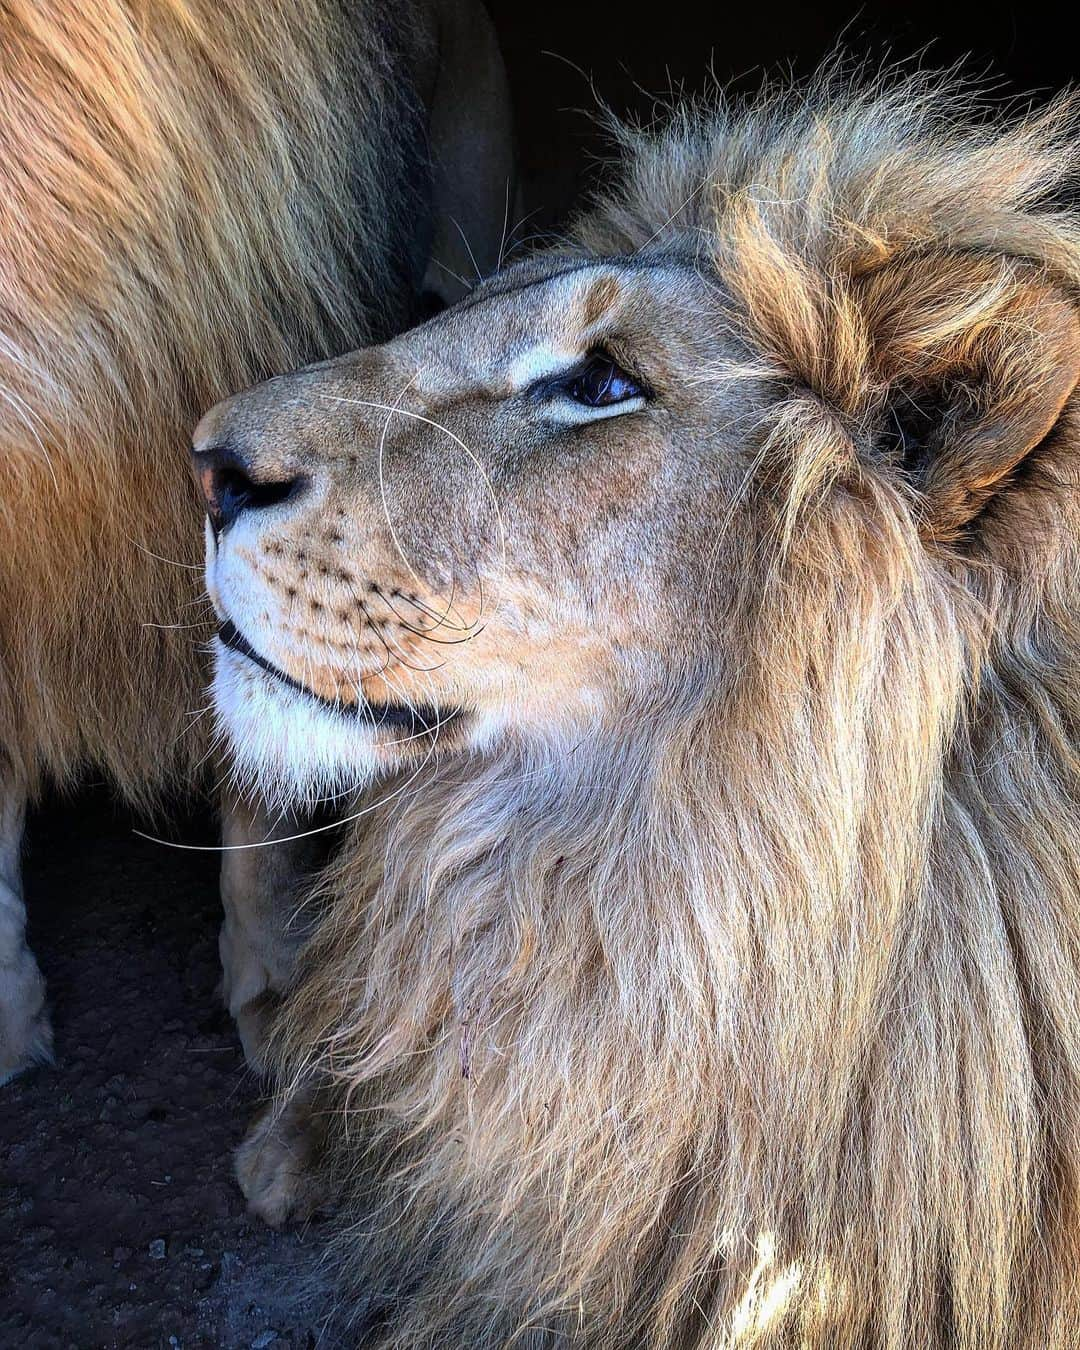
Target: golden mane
x,y
186,206
761,1025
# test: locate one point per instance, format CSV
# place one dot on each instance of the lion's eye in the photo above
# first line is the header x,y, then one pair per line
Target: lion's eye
x,y
594,388
601,383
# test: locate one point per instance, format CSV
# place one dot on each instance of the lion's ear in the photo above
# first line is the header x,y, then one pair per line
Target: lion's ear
x,y
975,357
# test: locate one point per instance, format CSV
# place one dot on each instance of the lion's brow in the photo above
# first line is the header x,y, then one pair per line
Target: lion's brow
x,y
625,262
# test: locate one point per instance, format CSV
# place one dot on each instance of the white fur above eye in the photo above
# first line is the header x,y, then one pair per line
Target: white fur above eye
x,y
541,363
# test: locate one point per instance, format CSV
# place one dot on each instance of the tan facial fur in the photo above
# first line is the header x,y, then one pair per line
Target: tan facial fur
x,y
716,982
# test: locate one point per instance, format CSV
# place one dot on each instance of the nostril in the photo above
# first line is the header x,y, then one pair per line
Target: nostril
x,y
236,492
229,489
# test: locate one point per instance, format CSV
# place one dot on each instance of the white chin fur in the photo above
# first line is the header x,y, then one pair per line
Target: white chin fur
x,y
284,746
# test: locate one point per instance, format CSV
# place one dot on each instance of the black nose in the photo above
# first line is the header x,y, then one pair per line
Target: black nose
x,y
229,486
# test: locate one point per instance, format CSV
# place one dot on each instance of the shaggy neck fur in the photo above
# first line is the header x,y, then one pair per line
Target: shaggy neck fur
x,y
738,1022
754,1017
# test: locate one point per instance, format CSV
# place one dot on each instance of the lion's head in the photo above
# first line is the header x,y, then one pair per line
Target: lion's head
x,y
714,579
500,525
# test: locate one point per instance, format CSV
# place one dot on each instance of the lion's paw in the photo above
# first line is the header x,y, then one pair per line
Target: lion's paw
x,y
276,1164
25,1030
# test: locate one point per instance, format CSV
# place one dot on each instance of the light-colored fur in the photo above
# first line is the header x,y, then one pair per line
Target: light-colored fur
x,y
193,196
177,221
715,978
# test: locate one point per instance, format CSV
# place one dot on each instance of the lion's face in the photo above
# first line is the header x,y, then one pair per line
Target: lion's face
x,y
503,522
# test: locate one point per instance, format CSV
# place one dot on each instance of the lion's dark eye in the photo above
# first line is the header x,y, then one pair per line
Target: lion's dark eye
x,y
601,383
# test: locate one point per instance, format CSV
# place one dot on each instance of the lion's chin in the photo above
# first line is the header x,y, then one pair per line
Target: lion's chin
x,y
291,749
295,748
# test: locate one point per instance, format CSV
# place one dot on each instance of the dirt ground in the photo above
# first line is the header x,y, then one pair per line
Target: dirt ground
x,y
120,1222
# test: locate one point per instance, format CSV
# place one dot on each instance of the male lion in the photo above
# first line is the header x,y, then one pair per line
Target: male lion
x,y
705,593
193,195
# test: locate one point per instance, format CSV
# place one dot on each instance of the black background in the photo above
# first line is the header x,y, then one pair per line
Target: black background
x,y
553,50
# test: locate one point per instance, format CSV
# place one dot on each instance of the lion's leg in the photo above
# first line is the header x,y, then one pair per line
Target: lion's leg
x,y
25,1033
261,892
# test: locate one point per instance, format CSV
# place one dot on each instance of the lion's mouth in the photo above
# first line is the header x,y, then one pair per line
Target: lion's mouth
x,y
414,719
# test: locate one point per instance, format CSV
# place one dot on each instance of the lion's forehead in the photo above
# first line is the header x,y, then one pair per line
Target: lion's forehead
x,y
513,333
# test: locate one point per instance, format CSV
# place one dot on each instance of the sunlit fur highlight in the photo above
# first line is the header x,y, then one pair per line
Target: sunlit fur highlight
x,y
192,197
754,1017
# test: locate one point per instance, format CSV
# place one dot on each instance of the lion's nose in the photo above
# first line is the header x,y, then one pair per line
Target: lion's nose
x,y
230,485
